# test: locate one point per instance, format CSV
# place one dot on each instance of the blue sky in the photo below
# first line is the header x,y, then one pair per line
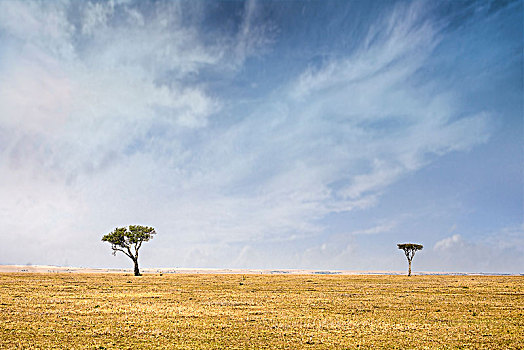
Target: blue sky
x,y
263,134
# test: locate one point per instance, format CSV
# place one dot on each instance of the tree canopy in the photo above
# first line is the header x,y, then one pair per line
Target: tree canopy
x,y
410,246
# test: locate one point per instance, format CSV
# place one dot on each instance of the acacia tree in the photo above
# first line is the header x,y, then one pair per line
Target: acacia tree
x,y
410,249
128,240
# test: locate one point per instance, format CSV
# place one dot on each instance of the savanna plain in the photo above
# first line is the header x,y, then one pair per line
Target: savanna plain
x,y
209,311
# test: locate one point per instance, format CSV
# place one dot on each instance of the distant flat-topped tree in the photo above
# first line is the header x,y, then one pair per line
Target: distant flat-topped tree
x,y
128,240
410,249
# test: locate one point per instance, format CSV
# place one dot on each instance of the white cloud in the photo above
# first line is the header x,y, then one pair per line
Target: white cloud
x,y
38,25
449,243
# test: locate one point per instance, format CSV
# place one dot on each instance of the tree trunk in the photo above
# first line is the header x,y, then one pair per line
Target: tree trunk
x,y
409,270
137,272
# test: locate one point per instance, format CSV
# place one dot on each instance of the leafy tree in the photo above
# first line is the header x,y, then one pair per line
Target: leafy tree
x,y
410,249
129,240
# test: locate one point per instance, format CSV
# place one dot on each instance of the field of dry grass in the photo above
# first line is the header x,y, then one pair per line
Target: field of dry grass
x,y
115,311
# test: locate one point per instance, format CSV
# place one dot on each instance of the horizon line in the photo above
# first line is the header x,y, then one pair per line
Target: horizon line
x,y
7,268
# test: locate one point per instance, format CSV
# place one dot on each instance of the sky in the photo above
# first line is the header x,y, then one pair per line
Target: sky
x,y
263,134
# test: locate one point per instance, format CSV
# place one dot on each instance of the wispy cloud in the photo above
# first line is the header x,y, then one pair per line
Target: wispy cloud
x,y
385,227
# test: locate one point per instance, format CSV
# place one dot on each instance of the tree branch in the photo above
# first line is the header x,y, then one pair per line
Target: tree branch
x,y
123,251
130,254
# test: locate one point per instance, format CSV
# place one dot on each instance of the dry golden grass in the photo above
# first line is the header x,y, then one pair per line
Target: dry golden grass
x,y
110,311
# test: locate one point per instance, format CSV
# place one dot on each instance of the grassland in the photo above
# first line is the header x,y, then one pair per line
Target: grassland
x,y
115,311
